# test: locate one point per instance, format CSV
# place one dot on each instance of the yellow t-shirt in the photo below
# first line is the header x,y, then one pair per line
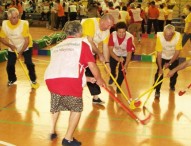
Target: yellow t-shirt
x,y
91,28
24,32
168,48
187,28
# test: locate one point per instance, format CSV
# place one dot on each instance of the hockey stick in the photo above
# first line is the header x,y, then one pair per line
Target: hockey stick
x,y
138,98
185,90
34,86
152,89
125,78
137,104
129,112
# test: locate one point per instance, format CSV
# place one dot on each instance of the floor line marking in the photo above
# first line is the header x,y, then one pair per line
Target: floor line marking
x,y
6,143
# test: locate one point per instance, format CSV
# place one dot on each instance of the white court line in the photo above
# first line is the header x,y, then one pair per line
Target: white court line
x,y
6,143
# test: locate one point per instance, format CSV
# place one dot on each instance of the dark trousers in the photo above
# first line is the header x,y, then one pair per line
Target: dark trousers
x,y
28,61
43,14
160,25
62,20
149,25
185,38
113,65
72,16
172,79
93,88
66,16
23,17
168,22
143,26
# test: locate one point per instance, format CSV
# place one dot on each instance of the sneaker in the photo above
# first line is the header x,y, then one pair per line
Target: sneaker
x,y
11,82
98,101
157,94
75,142
53,136
33,82
110,81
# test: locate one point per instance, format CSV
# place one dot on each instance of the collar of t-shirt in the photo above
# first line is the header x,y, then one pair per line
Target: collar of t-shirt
x,y
120,40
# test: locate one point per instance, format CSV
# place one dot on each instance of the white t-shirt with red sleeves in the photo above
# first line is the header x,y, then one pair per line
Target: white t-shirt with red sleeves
x,y
122,45
67,84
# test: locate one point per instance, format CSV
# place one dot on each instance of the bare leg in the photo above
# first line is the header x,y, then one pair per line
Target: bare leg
x,y
54,121
73,122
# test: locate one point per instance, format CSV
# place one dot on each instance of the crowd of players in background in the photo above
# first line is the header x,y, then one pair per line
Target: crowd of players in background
x,y
58,12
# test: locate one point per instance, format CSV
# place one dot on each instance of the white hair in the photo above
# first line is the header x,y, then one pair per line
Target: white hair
x,y
169,27
11,11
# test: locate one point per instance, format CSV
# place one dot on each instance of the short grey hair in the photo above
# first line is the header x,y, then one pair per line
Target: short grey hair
x,y
107,16
11,11
169,27
72,27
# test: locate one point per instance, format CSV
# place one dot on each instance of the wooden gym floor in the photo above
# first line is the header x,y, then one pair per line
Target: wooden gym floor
x,y
25,117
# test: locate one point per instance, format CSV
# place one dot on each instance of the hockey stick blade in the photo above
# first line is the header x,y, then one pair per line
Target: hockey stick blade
x,y
180,93
183,92
130,113
147,120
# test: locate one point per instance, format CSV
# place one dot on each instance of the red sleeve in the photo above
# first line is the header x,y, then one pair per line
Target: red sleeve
x,y
111,43
130,46
143,14
130,13
86,55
